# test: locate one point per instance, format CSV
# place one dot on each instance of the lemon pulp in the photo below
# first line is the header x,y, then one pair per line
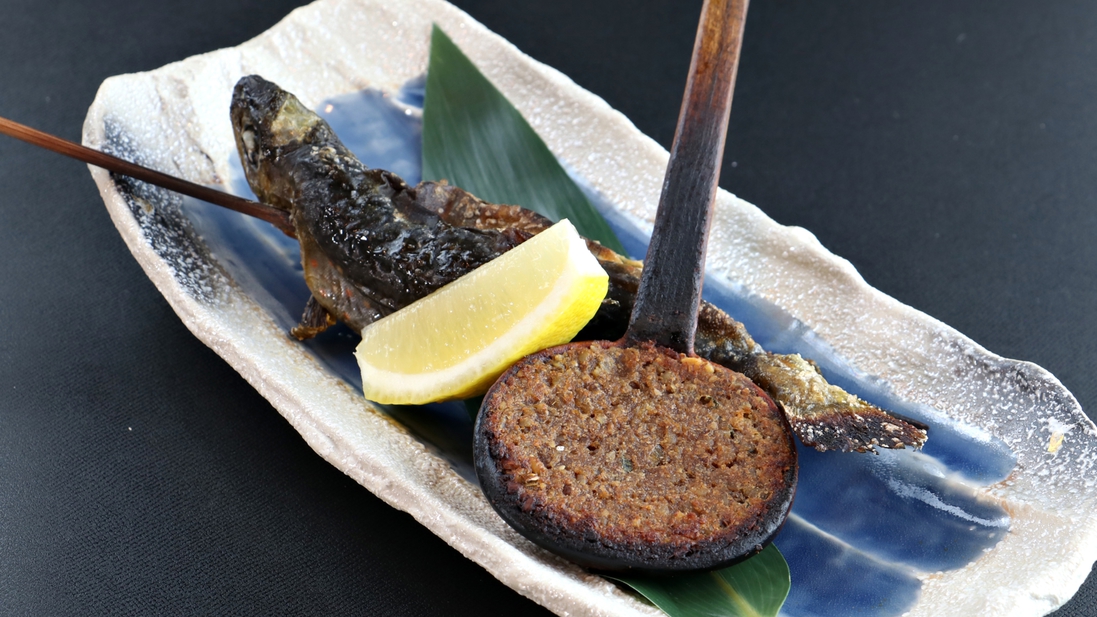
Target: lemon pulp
x,y
455,342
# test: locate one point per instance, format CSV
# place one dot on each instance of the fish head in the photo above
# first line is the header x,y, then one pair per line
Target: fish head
x,y
269,125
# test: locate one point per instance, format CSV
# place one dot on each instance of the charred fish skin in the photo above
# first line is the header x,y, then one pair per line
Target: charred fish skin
x,y
371,245
363,236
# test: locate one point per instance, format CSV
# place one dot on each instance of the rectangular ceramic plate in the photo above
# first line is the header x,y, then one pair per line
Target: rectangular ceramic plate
x,y
176,119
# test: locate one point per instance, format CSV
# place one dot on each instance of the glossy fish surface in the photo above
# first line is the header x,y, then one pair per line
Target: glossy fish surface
x,y
367,248
371,244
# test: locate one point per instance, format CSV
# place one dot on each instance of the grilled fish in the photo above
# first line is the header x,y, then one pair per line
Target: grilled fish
x,y
371,244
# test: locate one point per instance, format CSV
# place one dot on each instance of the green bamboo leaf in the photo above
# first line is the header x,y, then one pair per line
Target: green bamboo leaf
x,y
474,138
756,587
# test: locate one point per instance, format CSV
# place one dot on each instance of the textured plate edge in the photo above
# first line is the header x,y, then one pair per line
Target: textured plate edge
x,y
532,87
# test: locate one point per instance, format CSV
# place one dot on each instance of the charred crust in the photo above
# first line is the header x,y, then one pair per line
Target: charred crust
x,y
664,465
825,416
864,431
376,235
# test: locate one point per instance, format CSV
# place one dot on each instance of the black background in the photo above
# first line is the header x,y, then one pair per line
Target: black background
x,y
948,149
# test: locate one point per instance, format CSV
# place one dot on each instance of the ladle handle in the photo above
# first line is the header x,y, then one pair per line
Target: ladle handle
x,y
670,288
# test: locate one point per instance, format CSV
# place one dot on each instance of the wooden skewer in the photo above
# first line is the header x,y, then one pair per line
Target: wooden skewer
x,y
270,214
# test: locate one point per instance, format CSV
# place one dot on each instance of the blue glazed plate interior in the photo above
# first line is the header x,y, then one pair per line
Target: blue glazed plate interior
x,y
864,529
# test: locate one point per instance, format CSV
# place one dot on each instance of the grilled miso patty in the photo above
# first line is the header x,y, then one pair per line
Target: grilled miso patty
x,y
637,451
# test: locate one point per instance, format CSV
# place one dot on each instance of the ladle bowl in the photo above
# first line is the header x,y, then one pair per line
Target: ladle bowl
x,y
620,456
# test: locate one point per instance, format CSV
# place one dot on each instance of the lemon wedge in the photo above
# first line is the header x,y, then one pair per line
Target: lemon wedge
x,y
455,342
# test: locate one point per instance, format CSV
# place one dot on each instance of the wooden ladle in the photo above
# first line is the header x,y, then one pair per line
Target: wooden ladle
x,y
636,454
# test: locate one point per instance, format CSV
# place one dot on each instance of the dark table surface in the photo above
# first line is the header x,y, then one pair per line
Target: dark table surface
x,y
947,149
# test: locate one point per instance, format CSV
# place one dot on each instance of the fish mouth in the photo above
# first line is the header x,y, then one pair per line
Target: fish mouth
x,y
269,116
255,101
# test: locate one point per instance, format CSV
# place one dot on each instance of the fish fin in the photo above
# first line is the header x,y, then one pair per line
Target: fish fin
x,y
460,208
857,428
314,320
